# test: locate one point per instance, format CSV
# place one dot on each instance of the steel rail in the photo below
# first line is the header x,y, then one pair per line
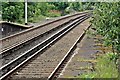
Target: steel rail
x,y
7,39
27,41
22,59
56,72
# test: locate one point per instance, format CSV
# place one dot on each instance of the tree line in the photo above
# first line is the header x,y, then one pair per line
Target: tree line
x,y
14,11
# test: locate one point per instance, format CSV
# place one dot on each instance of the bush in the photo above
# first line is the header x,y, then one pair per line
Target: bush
x,y
106,20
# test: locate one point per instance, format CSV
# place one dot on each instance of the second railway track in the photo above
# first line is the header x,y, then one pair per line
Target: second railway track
x,y
18,50
23,58
45,65
15,39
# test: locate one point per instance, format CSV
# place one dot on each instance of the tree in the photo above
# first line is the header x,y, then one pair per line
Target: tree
x,y
61,6
76,6
43,6
12,11
106,20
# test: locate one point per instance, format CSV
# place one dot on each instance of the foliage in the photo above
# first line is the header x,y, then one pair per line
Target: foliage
x,y
53,14
75,6
112,56
12,11
43,7
88,5
106,20
104,68
61,6
37,19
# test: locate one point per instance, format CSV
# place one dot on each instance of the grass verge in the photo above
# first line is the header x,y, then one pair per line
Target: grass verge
x,y
104,68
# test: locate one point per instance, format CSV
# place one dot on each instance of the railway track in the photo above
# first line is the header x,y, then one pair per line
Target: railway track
x,y
44,64
16,39
19,50
22,59
57,71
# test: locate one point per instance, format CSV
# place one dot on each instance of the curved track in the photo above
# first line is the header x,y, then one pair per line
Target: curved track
x,y
13,40
11,66
56,72
18,50
44,64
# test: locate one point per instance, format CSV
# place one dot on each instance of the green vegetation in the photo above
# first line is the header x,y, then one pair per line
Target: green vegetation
x,y
14,11
104,68
106,21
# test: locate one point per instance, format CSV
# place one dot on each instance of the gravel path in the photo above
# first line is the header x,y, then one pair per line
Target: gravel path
x,y
44,64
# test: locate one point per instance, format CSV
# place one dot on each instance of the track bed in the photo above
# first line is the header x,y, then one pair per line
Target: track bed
x,y
42,65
